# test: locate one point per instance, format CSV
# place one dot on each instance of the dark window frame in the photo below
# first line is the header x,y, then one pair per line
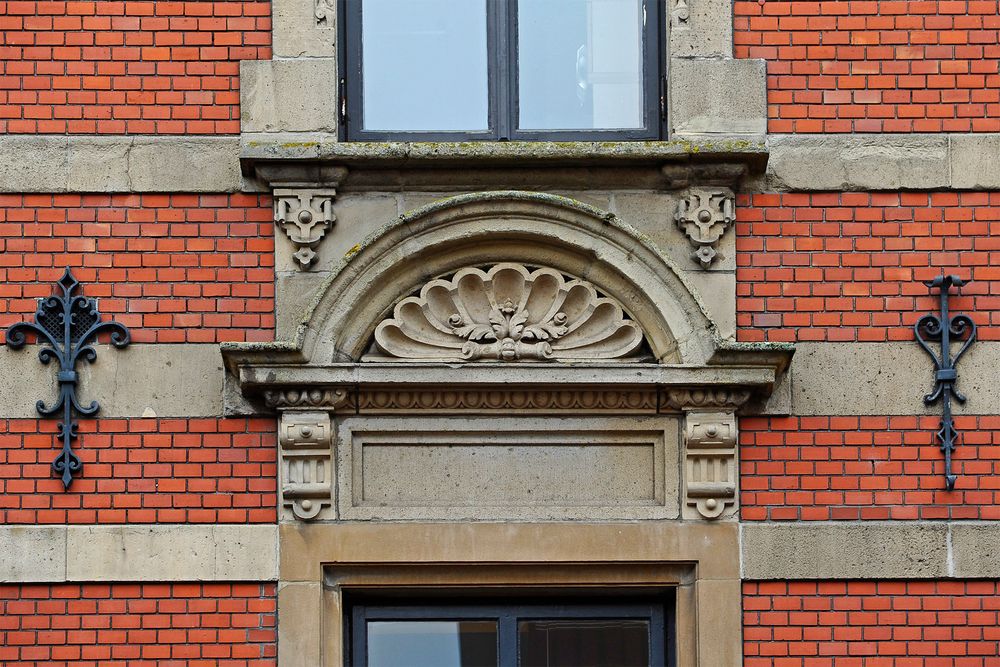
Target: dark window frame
x,y
502,64
658,613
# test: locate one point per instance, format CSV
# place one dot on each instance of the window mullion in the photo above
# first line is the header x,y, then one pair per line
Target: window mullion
x,y
508,639
505,72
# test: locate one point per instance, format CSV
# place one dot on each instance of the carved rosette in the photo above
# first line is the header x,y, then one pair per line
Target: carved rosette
x,y
509,313
709,464
307,472
705,216
305,216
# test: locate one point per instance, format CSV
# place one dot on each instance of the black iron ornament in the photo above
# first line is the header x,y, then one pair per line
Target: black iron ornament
x,y
945,329
68,324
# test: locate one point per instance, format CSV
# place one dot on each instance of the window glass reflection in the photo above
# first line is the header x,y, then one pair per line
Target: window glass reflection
x,y
424,65
580,64
432,643
583,643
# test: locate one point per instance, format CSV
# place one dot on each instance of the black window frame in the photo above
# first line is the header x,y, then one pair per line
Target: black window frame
x,y
658,613
502,64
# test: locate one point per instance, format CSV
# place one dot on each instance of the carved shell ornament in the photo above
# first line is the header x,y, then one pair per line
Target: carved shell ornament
x,y
509,313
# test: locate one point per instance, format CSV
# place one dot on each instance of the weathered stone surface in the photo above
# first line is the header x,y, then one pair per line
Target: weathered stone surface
x,y
32,554
704,30
288,95
162,380
494,469
975,550
871,550
718,96
294,293
171,553
51,163
859,162
886,379
975,161
300,618
184,164
297,33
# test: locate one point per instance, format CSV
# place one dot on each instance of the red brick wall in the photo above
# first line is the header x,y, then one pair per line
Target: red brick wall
x,y
844,266
138,625
871,624
172,267
870,66
127,67
851,468
142,471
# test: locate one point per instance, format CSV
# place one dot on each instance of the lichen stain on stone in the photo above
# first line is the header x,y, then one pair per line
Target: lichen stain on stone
x,y
352,251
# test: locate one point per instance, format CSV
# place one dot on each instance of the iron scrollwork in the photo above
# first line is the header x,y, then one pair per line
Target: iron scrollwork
x,y
945,328
68,324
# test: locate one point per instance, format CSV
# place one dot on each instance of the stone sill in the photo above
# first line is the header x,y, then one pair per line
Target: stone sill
x,y
319,158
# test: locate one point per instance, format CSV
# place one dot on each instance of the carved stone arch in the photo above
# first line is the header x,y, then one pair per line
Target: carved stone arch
x,y
484,229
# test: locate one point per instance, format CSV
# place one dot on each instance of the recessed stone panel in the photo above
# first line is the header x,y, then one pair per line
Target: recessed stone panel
x,y
507,468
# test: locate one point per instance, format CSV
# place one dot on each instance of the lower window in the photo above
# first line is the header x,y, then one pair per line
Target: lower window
x,y
542,635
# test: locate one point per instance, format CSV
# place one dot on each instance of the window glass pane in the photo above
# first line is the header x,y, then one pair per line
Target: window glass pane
x,y
580,64
583,643
424,65
432,643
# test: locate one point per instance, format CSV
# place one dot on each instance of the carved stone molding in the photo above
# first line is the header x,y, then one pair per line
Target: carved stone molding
x,y
305,216
326,13
687,398
509,313
317,397
680,15
306,469
709,464
705,215
583,401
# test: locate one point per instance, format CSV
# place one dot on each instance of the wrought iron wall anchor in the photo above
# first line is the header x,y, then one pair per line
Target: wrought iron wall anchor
x,y
68,324
945,328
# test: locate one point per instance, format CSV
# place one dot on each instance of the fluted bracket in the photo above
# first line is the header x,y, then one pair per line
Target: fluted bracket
x,y
710,474
306,440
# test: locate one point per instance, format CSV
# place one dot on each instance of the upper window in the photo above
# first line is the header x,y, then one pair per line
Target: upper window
x,y
444,70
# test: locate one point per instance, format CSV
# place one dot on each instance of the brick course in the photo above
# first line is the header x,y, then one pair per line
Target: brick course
x,y
871,624
139,625
172,267
879,468
846,266
875,66
142,471
127,67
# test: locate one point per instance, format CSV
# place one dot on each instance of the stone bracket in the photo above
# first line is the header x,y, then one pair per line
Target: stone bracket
x,y
709,464
305,215
306,440
705,215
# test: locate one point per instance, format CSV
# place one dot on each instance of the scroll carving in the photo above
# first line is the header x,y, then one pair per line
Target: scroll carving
x,y
326,13
307,476
305,216
509,313
680,15
710,463
705,216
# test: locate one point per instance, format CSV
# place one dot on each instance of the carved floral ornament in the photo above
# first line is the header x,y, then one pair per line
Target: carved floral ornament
x,y
509,313
705,216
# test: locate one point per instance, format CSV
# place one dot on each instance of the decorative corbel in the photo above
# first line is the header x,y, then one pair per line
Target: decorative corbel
x,y
709,464
306,440
305,216
326,12
680,15
705,215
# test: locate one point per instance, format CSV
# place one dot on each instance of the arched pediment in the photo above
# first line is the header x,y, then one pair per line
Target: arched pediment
x,y
459,236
